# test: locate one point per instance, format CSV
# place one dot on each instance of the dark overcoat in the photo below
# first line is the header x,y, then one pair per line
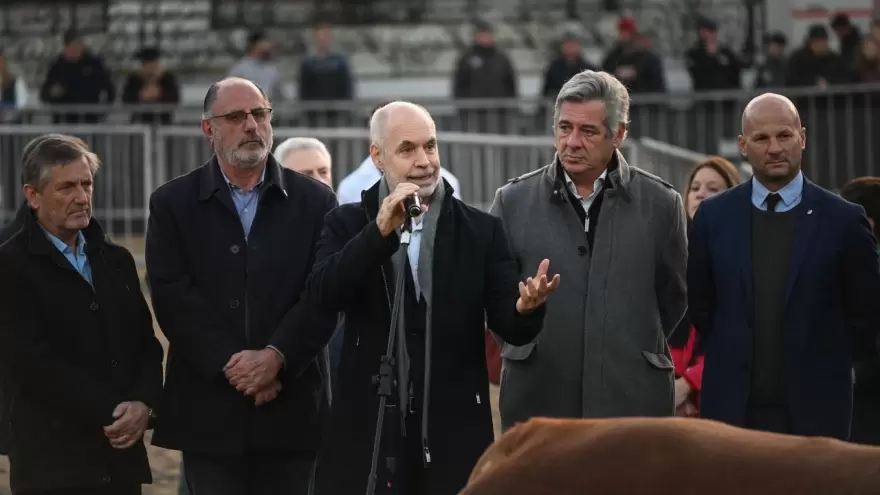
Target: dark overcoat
x,y
216,293
474,277
69,355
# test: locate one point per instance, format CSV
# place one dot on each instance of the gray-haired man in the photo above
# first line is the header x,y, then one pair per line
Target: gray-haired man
x,y
618,233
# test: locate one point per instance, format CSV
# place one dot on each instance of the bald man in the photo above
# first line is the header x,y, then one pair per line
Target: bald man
x,y
455,272
782,280
229,247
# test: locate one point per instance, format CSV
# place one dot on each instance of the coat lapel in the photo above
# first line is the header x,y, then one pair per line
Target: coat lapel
x,y
741,223
803,231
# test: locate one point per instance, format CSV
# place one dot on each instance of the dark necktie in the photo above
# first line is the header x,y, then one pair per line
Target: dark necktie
x,y
773,199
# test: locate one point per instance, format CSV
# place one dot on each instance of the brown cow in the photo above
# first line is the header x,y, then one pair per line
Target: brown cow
x,y
676,456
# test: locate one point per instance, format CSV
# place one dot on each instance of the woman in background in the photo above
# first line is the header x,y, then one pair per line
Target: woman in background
x,y
708,178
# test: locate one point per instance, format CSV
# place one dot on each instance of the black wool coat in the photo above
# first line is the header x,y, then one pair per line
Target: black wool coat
x,y
69,355
475,277
215,294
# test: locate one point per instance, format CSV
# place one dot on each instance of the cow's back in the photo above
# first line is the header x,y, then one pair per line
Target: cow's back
x,y
643,455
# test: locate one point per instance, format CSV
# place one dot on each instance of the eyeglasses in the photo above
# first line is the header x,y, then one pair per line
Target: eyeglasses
x,y
260,115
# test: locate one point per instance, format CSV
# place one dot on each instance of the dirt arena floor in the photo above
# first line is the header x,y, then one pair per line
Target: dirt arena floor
x,y
166,463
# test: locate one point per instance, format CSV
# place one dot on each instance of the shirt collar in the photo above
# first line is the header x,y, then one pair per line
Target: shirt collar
x,y
63,247
788,193
234,187
597,185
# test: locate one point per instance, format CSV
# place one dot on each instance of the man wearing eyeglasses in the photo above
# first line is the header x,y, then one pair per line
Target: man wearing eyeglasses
x,y
229,247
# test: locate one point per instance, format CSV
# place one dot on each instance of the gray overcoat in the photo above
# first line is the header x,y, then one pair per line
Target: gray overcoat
x,y
602,351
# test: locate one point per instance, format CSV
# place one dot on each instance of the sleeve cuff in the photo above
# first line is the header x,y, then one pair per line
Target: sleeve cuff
x,y
283,359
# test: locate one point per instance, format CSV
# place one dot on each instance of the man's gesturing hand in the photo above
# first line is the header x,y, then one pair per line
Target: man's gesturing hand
x,y
251,371
130,425
392,212
535,290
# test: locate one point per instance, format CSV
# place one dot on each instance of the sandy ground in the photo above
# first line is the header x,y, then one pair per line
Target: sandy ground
x,y
166,463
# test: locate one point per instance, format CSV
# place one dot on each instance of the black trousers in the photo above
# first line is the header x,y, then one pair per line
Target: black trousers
x,y
110,489
252,474
769,419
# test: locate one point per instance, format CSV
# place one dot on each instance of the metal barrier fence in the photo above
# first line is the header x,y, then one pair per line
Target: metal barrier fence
x,y
674,163
842,122
137,159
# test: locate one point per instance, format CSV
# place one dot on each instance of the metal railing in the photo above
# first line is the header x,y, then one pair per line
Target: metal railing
x,y
138,159
842,122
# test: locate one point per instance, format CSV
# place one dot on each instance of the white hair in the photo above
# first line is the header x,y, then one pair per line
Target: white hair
x,y
379,120
300,143
596,86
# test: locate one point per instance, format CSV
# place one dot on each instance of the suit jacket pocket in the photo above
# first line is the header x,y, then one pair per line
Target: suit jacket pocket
x,y
659,361
518,353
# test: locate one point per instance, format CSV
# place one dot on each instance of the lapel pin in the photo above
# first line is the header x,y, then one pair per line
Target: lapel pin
x,y
810,212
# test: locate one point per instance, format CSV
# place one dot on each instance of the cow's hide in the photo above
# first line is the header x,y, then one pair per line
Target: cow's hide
x,y
674,456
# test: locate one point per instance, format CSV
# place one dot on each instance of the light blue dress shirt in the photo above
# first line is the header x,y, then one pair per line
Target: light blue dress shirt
x,y
790,194
78,259
246,202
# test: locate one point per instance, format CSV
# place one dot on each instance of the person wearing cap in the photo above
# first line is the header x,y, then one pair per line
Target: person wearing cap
x,y
712,65
631,64
772,71
849,37
484,72
815,64
77,77
151,85
569,61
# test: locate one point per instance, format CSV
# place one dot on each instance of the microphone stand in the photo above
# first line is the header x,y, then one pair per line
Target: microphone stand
x,y
385,383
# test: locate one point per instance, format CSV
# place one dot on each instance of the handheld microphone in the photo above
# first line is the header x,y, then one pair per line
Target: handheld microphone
x,y
413,205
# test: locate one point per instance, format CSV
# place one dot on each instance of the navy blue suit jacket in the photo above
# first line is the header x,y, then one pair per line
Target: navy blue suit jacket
x,y
832,296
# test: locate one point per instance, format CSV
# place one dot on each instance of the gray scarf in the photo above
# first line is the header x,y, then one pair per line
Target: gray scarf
x,y
425,273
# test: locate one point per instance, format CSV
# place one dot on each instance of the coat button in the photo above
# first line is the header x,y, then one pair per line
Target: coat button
x,y
114,363
582,250
106,479
234,303
234,249
93,306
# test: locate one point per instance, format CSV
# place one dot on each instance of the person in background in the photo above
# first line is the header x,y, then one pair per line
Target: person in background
x,y
152,84
865,192
258,66
708,178
307,156
774,68
631,63
13,88
875,30
782,281
848,36
569,62
868,62
711,64
228,250
325,76
815,64
310,157
653,75
77,77
367,174
79,358
485,72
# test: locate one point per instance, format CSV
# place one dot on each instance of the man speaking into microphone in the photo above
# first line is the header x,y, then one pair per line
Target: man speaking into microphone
x,y
457,270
